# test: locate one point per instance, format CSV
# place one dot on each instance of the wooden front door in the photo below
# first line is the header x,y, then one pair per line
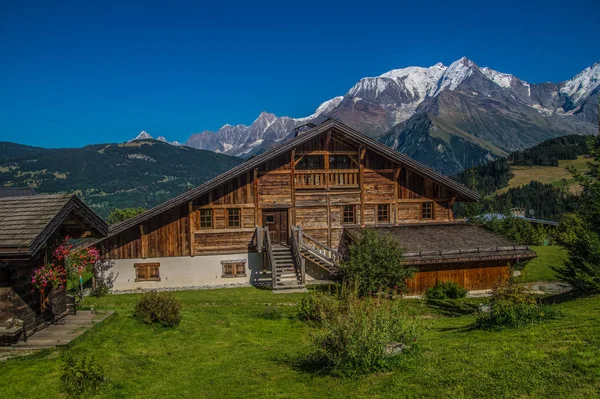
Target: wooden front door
x,y
276,221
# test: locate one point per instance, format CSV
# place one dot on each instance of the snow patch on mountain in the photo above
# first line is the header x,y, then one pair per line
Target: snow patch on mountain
x,y
583,83
501,79
455,74
142,136
420,81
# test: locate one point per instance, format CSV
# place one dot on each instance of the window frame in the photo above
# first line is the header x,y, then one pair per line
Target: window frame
x,y
431,211
239,218
235,268
211,219
387,213
353,207
147,270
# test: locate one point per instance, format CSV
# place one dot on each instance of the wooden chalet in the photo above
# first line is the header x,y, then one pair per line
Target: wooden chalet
x,y
30,226
279,217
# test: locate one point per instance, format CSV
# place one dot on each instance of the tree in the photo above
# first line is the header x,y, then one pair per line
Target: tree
x,y
580,233
120,214
375,263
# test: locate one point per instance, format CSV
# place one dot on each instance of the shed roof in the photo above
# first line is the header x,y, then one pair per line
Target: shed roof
x,y
437,242
27,222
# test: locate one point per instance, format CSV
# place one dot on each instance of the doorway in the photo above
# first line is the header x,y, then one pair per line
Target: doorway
x,y
277,222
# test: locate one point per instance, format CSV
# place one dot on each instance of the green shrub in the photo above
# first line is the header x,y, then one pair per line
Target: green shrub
x,y
446,290
514,306
158,307
376,263
80,378
354,340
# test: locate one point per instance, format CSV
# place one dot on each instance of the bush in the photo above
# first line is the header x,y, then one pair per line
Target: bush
x,y
272,313
375,264
513,306
158,307
446,290
355,340
104,280
80,378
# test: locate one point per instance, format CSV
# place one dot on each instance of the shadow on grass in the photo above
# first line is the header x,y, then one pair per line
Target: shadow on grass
x,y
451,308
564,297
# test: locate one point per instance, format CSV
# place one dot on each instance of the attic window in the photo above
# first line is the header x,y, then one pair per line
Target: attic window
x,y
426,210
233,217
206,217
233,268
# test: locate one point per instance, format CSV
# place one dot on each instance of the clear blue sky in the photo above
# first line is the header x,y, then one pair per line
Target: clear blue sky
x,y
81,72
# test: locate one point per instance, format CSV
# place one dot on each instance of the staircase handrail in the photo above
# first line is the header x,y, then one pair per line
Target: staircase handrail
x,y
298,259
320,249
271,257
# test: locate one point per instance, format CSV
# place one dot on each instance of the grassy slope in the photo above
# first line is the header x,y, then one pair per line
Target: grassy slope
x,y
540,268
224,348
546,174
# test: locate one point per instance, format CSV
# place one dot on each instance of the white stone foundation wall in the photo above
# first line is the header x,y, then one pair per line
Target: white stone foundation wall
x,y
186,271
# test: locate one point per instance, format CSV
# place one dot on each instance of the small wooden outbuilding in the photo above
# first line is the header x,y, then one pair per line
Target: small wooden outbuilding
x,y
30,226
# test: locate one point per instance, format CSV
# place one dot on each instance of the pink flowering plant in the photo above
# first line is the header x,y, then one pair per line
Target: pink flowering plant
x,y
69,264
47,276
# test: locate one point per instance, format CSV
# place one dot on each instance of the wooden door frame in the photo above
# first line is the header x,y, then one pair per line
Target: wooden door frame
x,y
278,210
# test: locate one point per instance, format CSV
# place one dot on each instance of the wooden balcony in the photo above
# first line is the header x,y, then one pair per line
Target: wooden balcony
x,y
338,178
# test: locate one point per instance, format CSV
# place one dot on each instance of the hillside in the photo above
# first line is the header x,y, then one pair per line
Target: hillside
x,y
535,179
140,173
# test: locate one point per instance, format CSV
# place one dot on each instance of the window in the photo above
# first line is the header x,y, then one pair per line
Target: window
x,y
233,217
383,213
348,214
270,219
311,162
340,162
206,218
147,271
234,268
427,210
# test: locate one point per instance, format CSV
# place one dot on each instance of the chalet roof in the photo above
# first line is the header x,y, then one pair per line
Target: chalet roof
x,y
16,191
27,222
443,242
463,192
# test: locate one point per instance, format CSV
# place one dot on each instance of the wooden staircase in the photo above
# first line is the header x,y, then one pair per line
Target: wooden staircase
x,y
287,275
287,263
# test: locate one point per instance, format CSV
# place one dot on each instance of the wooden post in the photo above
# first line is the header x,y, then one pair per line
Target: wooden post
x,y
302,260
361,178
293,186
255,182
192,223
328,218
396,192
142,243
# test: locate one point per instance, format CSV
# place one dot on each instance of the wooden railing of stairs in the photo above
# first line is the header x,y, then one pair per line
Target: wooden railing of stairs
x,y
320,254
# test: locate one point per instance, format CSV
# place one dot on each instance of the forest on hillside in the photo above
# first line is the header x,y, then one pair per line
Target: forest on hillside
x,y
543,201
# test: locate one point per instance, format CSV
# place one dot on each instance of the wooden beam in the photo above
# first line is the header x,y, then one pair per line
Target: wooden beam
x,y
327,140
192,225
255,181
396,192
361,183
142,241
325,152
450,203
293,186
329,220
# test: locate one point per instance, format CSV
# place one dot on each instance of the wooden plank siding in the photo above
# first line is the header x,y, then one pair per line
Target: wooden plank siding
x,y
369,179
469,275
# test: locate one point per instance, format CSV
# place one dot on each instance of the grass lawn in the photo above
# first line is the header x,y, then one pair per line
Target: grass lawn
x,y
539,269
547,174
225,347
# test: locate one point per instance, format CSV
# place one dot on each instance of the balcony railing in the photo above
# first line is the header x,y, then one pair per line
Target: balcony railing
x,y
347,178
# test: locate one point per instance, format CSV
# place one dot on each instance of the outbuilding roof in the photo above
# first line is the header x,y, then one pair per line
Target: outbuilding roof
x,y
27,222
447,242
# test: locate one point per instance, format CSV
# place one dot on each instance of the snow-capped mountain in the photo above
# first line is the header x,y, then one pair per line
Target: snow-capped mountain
x,y
472,113
145,136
